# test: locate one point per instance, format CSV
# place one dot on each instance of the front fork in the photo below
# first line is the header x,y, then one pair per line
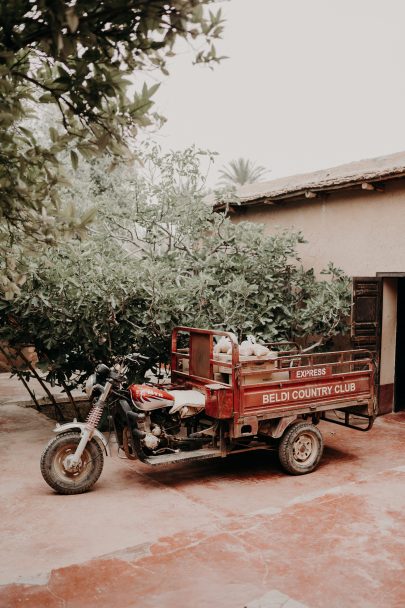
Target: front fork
x,y
73,460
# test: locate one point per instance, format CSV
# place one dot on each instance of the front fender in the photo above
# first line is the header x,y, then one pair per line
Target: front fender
x,y
97,435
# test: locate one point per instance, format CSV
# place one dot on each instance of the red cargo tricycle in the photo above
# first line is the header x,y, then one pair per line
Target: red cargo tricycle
x,y
216,405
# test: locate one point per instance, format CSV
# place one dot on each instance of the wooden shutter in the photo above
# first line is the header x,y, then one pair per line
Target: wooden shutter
x,y
367,313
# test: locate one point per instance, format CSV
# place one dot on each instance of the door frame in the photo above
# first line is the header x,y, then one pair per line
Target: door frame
x,y
387,391
380,332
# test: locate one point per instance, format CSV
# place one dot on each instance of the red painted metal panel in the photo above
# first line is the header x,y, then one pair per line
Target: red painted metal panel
x,y
295,395
219,403
200,355
304,382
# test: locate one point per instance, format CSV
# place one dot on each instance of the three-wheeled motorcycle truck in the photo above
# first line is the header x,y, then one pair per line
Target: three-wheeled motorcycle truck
x,y
217,405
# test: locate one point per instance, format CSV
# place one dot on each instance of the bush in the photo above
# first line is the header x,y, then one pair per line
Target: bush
x,y
158,257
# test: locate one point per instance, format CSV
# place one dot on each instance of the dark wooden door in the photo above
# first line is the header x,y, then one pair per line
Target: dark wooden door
x,y
366,325
367,313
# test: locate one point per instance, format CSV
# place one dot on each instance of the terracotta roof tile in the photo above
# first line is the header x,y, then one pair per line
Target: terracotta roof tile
x,y
374,169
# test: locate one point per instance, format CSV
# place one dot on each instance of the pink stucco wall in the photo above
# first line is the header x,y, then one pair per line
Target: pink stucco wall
x,y
362,232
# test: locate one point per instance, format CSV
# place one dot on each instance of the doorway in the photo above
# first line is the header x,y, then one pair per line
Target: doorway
x,y
400,348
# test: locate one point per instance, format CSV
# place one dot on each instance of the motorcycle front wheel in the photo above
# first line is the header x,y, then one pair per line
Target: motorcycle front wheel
x,y
63,480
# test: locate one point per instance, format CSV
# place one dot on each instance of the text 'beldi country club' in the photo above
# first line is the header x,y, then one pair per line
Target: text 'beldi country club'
x,y
310,392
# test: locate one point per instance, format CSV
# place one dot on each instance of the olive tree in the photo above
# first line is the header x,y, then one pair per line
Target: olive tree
x,y
83,59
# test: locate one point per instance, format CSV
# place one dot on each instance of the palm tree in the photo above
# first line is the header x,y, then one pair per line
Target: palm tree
x,y
240,172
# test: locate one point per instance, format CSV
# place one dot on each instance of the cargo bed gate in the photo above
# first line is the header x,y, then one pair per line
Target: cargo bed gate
x,y
290,382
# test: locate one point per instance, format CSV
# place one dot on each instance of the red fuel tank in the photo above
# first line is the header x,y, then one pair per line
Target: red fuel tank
x,y
148,398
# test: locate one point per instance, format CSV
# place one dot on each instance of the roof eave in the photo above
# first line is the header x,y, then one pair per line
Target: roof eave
x,y
318,191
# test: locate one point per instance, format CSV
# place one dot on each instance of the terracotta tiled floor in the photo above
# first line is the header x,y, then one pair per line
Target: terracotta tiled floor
x,y
225,534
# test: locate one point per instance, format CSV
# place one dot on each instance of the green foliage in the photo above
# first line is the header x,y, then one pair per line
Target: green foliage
x,y
157,257
82,59
240,172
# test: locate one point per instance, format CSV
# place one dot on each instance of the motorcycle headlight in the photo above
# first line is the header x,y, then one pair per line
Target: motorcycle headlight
x,y
90,382
102,373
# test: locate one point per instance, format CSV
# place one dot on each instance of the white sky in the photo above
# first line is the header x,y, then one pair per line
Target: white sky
x,y
308,84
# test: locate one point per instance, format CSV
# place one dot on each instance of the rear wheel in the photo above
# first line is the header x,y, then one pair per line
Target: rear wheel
x,y
54,462
301,448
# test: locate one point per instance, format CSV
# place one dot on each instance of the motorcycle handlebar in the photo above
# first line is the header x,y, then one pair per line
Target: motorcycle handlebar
x,y
136,356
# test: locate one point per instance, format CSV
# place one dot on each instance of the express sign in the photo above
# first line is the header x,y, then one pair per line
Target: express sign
x,y
308,393
311,372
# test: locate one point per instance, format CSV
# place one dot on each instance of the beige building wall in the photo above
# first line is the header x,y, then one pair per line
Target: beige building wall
x,y
360,231
363,233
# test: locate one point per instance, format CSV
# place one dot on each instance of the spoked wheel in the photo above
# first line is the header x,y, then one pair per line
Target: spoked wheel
x,y
58,473
301,448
